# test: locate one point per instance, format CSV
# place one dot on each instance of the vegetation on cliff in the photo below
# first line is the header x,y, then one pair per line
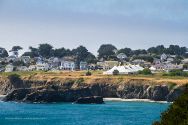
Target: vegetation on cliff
x,y
177,113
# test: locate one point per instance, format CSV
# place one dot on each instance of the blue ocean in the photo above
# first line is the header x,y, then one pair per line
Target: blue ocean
x,y
110,113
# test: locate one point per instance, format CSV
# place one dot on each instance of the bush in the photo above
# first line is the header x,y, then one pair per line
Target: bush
x,y
177,113
88,73
176,73
14,78
80,80
171,85
115,72
146,71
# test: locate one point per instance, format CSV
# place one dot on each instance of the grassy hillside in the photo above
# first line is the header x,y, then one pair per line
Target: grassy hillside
x,y
97,76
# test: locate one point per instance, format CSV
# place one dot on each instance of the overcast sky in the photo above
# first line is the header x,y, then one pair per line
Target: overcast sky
x,y
70,23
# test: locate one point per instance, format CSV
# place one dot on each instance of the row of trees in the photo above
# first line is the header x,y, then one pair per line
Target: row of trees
x,y
47,51
105,51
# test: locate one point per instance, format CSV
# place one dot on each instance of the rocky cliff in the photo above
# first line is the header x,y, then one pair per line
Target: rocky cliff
x,y
71,90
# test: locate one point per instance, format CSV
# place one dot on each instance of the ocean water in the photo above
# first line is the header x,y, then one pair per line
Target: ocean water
x,y
110,113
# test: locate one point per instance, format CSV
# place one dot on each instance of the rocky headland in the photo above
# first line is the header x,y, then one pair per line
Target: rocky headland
x,y
74,90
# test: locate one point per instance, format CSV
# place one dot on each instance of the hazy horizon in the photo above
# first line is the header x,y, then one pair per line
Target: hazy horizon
x,y
70,23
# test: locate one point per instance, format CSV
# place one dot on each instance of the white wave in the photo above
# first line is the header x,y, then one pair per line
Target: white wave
x,y
133,100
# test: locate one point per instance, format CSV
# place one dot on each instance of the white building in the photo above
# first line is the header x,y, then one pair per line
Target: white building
x,y
42,66
164,57
11,58
22,68
32,67
83,65
25,59
9,68
67,65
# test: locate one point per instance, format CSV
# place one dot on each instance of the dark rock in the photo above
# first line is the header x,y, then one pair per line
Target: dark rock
x,y
90,100
159,93
17,95
175,93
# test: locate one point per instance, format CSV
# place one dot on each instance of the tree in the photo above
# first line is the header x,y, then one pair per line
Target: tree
x,y
177,113
106,51
146,71
91,58
81,54
145,58
45,50
61,52
127,51
18,63
115,72
15,50
140,51
3,53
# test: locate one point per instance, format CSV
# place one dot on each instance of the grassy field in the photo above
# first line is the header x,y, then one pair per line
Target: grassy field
x,y
97,76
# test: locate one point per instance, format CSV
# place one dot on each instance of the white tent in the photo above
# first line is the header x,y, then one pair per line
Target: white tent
x,y
125,69
152,68
111,70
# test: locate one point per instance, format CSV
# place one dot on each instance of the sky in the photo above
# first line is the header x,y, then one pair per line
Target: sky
x,y
69,23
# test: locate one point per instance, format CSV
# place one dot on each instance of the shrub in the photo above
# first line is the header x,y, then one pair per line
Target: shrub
x,y
146,71
88,73
177,113
171,85
80,80
115,72
176,73
14,78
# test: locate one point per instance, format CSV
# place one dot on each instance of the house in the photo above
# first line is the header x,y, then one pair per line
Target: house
x,y
67,65
164,57
156,61
170,66
167,67
122,56
22,68
54,62
169,59
83,65
11,58
9,68
42,66
110,64
32,67
185,61
39,60
92,66
100,65
25,59
138,62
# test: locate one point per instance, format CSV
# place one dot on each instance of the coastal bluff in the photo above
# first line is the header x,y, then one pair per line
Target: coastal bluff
x,y
35,90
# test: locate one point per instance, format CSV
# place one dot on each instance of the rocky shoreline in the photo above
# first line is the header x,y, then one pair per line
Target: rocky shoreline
x,y
55,91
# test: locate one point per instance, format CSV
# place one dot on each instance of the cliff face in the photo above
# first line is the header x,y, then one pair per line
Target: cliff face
x,y
70,91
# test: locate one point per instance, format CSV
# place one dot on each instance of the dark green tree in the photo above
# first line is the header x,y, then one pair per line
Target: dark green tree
x,y
45,50
3,53
15,50
90,58
177,113
126,51
140,51
61,52
106,51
